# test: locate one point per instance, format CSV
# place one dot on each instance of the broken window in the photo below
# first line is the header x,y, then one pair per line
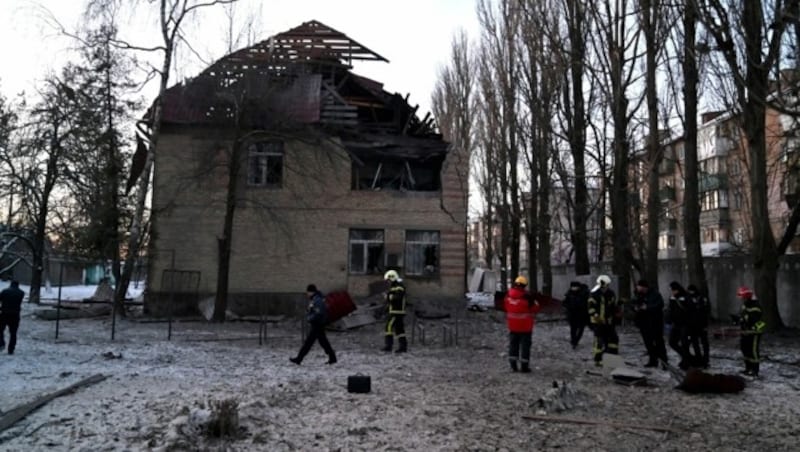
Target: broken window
x,y
422,253
265,164
366,251
392,173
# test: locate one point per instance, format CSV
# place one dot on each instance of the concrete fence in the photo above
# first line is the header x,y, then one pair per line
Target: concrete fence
x,y
724,274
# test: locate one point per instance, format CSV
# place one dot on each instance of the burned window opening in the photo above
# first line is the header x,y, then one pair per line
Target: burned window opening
x,y
388,173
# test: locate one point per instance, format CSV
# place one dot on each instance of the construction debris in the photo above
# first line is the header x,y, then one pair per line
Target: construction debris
x,y
569,420
16,414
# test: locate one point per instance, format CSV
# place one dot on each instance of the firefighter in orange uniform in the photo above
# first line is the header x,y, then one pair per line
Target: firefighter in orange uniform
x,y
521,309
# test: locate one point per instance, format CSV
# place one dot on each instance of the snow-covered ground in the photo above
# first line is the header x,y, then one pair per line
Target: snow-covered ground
x,y
461,397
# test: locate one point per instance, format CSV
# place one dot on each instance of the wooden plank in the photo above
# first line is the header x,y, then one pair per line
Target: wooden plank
x,y
16,414
571,420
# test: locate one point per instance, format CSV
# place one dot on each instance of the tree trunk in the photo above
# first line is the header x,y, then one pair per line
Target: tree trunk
x,y
691,198
137,225
649,13
765,255
226,241
577,135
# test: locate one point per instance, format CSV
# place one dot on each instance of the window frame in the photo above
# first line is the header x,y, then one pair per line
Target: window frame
x,y
367,244
410,267
264,151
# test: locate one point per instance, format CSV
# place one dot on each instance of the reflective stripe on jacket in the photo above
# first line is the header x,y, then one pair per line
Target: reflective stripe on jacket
x,y
751,318
396,298
602,307
521,311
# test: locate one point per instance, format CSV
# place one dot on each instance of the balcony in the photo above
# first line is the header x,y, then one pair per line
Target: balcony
x,y
666,194
667,166
791,187
719,216
668,224
710,182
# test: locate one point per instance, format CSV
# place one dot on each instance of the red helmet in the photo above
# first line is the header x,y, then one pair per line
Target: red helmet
x,y
744,292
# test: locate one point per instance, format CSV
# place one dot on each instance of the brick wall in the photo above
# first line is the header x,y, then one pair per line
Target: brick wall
x,y
287,238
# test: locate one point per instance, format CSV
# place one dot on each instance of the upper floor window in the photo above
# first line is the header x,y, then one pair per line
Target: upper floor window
x,y
265,164
422,253
366,251
713,200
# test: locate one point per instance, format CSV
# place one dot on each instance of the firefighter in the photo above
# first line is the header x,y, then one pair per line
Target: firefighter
x,y
396,303
521,309
604,314
752,329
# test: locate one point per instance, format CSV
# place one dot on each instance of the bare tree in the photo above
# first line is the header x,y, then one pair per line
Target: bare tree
x,y
453,101
172,15
37,165
616,43
750,39
691,198
653,19
500,40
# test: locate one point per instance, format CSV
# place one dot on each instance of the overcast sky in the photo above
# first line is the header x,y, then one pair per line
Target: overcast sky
x,y
414,35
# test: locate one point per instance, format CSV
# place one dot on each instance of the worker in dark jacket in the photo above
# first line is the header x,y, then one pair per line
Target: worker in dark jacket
x,y
576,307
10,307
698,325
604,315
316,316
649,309
396,303
752,329
678,317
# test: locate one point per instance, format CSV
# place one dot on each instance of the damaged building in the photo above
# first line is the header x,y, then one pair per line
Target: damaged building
x,y
326,177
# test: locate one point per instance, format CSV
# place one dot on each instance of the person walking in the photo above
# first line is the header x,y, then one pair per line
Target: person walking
x,y
396,303
575,305
10,308
316,316
604,314
649,309
752,329
678,317
521,309
698,325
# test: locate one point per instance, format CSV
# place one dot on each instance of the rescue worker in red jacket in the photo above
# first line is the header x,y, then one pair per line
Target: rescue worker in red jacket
x,y
752,329
521,309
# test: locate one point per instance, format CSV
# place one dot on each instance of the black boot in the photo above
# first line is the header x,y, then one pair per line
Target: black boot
x,y
296,360
525,368
388,346
332,358
513,365
403,345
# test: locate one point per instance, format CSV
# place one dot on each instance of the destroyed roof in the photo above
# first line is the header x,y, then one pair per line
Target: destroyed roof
x,y
301,76
311,41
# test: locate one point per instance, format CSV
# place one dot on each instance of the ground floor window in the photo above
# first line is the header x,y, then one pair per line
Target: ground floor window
x,y
422,253
366,251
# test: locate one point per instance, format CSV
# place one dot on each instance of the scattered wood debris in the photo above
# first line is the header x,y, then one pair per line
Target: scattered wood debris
x,y
16,414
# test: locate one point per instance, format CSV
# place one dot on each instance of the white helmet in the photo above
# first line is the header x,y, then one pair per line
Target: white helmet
x,y
391,275
603,280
